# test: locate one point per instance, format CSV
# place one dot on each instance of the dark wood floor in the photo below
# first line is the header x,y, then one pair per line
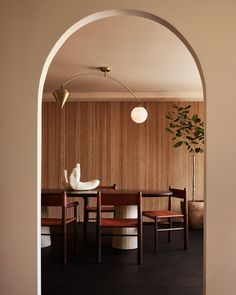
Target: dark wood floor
x,y
172,271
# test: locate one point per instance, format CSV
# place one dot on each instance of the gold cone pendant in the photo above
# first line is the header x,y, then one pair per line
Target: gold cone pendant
x,y
61,96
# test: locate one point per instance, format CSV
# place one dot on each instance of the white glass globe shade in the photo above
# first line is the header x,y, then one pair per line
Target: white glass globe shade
x,y
139,114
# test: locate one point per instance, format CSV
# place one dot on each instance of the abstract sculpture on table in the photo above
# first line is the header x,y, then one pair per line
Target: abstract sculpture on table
x,y
75,183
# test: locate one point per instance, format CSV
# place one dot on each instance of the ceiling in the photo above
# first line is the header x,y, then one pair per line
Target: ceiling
x,y
141,53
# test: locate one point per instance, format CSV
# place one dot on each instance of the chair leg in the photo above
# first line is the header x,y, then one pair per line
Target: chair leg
x,y
85,224
75,229
76,236
170,232
140,246
186,238
99,246
64,244
156,234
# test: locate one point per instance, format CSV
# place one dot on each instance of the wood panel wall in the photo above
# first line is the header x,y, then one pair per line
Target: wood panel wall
x,y
109,146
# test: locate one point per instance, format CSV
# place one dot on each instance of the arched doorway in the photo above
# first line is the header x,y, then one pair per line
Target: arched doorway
x,y
93,18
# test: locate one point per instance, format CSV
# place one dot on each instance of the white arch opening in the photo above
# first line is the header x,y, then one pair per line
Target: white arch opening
x,y
81,23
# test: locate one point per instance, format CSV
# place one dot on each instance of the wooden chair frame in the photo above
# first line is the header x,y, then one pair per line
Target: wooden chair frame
x,y
62,202
93,209
158,216
120,199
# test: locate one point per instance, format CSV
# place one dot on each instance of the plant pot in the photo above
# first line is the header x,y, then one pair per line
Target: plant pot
x,y
195,214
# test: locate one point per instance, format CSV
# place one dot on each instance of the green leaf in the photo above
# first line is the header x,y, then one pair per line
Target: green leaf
x,y
198,150
200,129
190,138
169,130
196,119
197,133
179,143
178,134
189,106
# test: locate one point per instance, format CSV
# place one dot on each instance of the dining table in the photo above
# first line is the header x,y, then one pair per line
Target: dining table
x,y
118,242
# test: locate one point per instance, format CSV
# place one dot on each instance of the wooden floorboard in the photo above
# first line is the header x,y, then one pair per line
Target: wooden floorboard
x,y
171,271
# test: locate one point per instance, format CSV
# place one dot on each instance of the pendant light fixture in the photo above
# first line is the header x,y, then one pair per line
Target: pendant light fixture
x,y
138,114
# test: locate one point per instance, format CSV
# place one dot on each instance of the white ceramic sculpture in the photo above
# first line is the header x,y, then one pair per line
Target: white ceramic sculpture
x,y
75,183
65,181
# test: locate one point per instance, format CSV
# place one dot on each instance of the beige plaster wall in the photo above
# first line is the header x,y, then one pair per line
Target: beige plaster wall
x,y
29,29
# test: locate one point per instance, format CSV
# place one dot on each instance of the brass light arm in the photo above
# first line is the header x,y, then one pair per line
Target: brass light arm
x,y
75,77
106,76
138,114
125,87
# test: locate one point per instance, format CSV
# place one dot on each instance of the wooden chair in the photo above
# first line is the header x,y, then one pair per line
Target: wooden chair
x,y
160,216
93,209
117,199
61,201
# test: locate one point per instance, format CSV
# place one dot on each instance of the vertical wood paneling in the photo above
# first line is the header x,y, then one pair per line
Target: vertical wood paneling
x,y
109,146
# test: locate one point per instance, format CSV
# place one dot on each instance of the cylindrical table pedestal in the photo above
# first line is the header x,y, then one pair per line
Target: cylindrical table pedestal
x,y
45,240
125,243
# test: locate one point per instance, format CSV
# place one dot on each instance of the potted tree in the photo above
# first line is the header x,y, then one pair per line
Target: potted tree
x,y
188,131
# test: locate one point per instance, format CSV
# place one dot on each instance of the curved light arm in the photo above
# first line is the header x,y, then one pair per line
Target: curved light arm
x,y
77,76
138,114
106,76
124,86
